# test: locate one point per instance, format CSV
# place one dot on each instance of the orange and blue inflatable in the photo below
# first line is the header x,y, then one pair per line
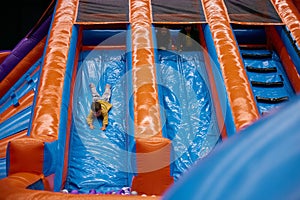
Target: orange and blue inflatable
x,y
216,123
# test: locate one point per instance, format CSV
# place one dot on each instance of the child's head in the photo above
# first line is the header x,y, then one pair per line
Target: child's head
x,y
188,28
96,108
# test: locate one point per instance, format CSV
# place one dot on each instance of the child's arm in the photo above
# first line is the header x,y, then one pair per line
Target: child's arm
x,y
90,119
105,120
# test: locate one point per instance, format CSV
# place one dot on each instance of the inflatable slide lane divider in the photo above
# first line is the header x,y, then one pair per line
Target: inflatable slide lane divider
x,y
151,147
232,67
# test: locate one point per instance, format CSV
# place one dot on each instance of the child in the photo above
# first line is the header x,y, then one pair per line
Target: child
x,y
164,40
188,39
100,106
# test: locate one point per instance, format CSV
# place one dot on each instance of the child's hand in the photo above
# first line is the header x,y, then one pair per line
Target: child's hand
x,y
103,128
92,126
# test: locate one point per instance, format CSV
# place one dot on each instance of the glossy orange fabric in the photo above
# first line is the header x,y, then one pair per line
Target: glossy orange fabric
x,y
13,187
146,106
26,155
240,96
45,121
290,15
20,181
148,133
22,67
153,166
5,141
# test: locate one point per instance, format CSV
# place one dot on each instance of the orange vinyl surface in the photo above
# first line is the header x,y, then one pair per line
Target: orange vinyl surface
x,y
4,142
146,106
290,15
240,96
147,122
45,121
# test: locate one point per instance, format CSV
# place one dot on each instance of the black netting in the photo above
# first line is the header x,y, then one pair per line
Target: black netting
x,y
103,11
253,12
177,11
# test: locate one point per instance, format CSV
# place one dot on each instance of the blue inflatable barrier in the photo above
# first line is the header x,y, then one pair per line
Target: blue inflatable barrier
x,y
261,162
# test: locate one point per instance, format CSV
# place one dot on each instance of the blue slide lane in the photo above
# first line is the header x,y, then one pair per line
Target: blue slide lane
x,y
98,159
190,116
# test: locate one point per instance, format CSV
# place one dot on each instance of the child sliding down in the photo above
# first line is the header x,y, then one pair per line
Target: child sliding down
x,y
99,107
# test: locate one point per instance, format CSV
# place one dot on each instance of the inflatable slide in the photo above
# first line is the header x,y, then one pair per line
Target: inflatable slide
x,y
184,124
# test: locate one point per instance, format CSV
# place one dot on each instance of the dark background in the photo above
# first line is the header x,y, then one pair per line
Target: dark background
x,y
17,18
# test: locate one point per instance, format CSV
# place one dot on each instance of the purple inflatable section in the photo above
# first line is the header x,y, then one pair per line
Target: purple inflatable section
x,y
23,48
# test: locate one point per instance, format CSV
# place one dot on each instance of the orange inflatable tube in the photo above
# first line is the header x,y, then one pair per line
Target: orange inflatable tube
x,y
151,147
5,141
240,96
289,14
45,122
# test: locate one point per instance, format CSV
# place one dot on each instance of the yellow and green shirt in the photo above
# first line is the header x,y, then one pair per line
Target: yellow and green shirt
x,y
105,107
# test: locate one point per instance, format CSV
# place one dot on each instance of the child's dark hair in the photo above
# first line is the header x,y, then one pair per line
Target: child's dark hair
x,y
96,106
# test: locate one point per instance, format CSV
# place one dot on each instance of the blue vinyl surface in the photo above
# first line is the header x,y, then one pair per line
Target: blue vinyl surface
x,y
98,159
